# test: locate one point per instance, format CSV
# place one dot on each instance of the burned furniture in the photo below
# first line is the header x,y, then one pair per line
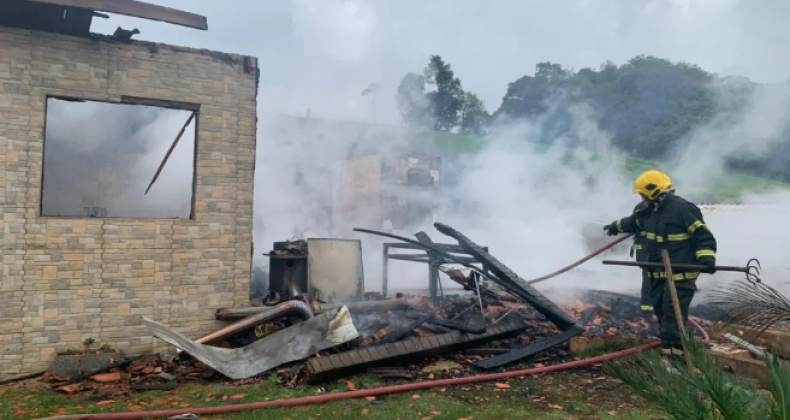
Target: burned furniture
x,y
325,270
287,270
520,288
510,282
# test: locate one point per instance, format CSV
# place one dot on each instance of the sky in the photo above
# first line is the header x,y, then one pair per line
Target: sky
x,y
321,54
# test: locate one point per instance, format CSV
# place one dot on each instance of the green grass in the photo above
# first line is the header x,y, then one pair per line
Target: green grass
x,y
726,187
569,395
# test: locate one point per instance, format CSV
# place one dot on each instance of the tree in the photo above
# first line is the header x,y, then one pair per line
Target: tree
x,y
446,101
474,117
411,102
648,103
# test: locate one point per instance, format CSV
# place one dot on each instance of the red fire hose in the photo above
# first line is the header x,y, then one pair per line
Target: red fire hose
x,y
580,262
698,327
318,399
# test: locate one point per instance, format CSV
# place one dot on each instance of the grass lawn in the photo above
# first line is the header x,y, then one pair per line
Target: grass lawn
x,y
580,394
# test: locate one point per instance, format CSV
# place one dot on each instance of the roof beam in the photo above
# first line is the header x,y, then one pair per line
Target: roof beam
x,y
137,9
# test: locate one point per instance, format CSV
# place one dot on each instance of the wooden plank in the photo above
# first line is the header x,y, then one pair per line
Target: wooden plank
x,y
386,354
366,356
346,359
433,341
743,364
137,9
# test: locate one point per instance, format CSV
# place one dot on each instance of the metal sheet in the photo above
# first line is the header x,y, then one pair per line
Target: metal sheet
x,y
291,344
334,270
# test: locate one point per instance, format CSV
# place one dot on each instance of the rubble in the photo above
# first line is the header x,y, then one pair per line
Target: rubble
x,y
414,354
75,365
298,342
501,321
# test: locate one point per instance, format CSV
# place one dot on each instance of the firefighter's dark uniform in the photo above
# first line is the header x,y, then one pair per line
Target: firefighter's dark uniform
x,y
640,249
678,225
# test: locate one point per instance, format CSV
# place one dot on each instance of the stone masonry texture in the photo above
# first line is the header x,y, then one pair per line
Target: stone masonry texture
x,y
65,280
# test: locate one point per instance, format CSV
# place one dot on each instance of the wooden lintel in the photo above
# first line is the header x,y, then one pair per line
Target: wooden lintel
x,y
137,9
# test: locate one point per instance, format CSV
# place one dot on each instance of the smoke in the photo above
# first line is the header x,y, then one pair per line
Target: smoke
x,y
526,203
750,120
99,159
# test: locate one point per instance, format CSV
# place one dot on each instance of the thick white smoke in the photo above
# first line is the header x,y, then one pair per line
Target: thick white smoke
x,y
101,155
525,204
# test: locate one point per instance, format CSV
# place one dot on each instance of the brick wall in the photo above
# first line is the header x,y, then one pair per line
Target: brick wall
x,y
66,280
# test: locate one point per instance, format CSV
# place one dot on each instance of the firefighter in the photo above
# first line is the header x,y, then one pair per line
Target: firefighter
x,y
678,225
640,249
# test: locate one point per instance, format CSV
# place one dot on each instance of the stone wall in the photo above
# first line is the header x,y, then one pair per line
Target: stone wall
x,y
67,280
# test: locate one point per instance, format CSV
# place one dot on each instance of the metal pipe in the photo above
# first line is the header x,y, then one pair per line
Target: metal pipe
x,y
756,351
643,264
364,306
285,308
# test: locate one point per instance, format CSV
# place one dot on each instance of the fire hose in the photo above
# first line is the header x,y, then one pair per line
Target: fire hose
x,y
580,262
318,399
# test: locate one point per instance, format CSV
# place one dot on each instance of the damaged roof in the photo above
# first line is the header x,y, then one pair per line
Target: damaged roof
x,y
74,17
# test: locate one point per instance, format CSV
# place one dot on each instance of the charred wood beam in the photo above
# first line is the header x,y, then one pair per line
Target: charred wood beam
x,y
530,350
509,280
233,314
393,336
435,261
169,151
137,9
326,368
458,326
485,352
473,329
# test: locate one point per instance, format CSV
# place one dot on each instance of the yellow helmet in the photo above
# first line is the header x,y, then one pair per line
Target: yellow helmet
x,y
652,184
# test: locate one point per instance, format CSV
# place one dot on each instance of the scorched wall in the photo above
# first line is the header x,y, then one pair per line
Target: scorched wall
x,y
65,280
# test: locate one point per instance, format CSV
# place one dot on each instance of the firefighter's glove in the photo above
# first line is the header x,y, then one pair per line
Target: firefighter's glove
x,y
611,229
709,263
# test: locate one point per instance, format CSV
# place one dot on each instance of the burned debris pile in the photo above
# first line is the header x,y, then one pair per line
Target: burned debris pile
x,y
500,321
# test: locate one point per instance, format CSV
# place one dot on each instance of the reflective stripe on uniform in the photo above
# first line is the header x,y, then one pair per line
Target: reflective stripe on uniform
x,y
647,308
620,226
638,247
705,253
677,237
676,277
677,352
696,225
674,237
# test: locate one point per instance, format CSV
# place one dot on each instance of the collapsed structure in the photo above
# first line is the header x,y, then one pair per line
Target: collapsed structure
x,y
66,281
